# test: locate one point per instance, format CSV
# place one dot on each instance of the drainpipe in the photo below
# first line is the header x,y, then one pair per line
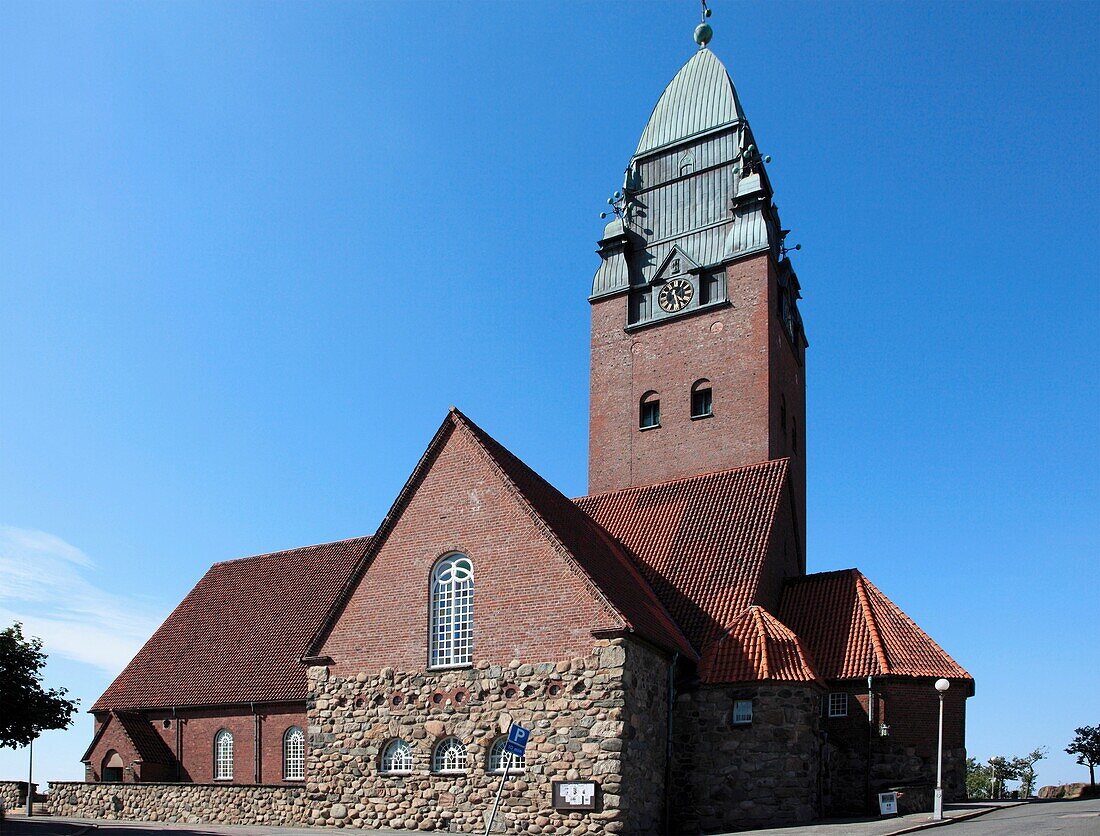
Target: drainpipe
x,y
179,742
870,740
256,745
668,743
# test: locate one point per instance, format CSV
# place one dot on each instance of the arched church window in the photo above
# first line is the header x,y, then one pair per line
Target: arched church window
x,y
449,757
294,754
452,615
649,411
517,763
702,401
687,164
397,757
223,756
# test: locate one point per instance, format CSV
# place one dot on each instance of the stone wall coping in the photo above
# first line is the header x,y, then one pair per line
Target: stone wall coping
x,y
296,785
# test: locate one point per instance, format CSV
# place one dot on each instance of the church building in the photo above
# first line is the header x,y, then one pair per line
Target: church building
x,y
677,667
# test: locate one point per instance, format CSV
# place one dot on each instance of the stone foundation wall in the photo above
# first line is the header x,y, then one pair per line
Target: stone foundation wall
x,y
893,765
729,776
13,794
188,803
576,710
645,740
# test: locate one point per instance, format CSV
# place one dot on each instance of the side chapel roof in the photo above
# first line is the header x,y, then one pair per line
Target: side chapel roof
x,y
854,631
239,634
758,647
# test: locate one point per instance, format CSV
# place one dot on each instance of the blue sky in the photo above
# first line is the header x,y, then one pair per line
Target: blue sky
x,y
250,253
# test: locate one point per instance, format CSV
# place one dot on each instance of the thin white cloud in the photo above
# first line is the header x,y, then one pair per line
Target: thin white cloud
x,y
49,585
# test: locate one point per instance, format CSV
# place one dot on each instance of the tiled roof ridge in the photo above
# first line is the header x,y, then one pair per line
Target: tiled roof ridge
x,y
683,479
480,437
812,577
768,629
282,552
898,611
762,631
872,625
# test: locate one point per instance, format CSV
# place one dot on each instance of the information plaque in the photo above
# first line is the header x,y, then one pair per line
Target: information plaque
x,y
888,803
574,795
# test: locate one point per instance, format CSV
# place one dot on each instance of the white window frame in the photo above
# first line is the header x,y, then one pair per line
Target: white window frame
x,y
838,704
450,757
397,758
294,754
740,717
223,755
451,643
496,758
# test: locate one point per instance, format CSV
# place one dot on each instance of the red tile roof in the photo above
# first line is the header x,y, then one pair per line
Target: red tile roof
x,y
854,631
238,635
614,574
758,647
700,542
149,745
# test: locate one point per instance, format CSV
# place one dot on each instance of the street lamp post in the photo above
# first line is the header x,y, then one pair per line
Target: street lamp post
x,y
937,810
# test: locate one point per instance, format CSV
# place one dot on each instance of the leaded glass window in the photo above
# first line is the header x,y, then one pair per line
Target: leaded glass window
x,y
223,756
294,754
397,757
449,756
516,763
452,627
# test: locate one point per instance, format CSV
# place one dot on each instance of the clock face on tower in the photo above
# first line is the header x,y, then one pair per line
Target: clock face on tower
x,y
675,295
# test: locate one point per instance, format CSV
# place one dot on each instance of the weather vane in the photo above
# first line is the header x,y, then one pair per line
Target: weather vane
x,y
703,32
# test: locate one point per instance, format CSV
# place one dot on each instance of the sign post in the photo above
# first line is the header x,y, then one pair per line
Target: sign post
x,y
513,748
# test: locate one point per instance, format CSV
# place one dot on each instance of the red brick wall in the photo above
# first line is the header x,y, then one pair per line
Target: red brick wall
x,y
786,558
529,604
197,728
739,349
113,738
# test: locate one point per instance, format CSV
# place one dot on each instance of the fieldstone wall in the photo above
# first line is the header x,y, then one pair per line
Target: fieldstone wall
x,y
13,794
893,766
188,803
645,741
580,723
764,773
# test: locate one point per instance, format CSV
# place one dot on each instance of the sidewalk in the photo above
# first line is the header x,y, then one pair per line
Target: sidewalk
x,y
888,826
56,826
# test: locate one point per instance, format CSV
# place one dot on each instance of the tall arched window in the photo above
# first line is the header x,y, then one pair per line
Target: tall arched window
x,y
223,756
517,763
294,754
397,757
702,402
649,411
449,756
452,638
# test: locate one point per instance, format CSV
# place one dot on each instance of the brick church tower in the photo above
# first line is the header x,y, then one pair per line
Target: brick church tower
x,y
698,350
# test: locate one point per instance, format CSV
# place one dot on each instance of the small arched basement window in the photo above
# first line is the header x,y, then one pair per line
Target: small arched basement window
x,y
702,402
649,411
496,757
449,757
223,756
452,616
294,754
397,757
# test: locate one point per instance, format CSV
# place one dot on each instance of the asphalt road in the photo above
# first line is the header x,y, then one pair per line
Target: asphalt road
x,y
1074,818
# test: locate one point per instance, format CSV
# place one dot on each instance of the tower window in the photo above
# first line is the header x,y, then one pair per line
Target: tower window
x,y
649,415
702,404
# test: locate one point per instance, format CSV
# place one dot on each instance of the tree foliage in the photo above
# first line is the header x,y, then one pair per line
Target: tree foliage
x,y
1086,745
28,709
1025,770
987,780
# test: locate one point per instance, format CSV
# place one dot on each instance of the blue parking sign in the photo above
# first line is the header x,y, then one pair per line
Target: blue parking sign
x,y
517,740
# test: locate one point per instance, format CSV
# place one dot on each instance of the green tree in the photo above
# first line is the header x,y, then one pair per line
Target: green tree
x,y
978,777
1086,745
1001,769
29,709
1025,770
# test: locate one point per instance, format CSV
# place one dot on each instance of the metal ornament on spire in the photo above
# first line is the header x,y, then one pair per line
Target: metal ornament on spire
x,y
703,32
